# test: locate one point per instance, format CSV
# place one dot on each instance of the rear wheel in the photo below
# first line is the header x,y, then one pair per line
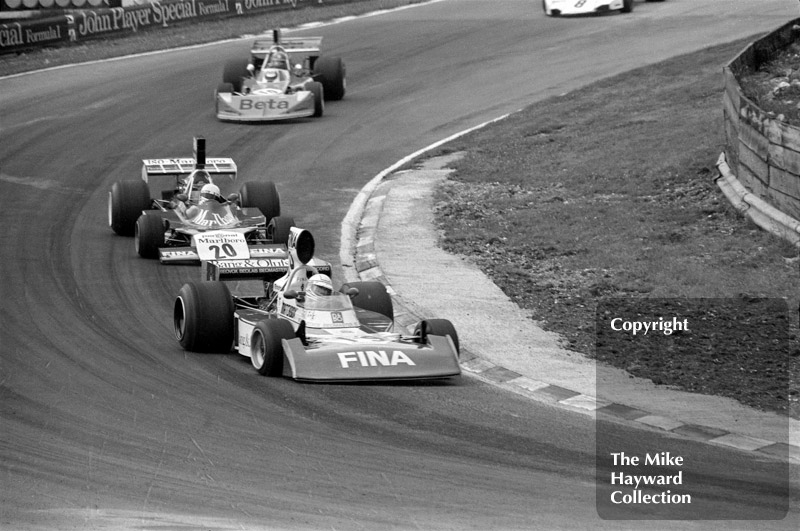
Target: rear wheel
x,y
372,296
331,73
234,72
203,317
149,235
279,229
266,349
262,195
126,200
627,6
436,327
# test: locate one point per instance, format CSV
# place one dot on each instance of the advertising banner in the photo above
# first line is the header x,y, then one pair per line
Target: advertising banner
x,y
32,33
106,21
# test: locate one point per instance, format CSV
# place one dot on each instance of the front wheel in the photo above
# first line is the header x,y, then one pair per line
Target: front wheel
x,y
279,229
262,195
371,296
126,200
627,6
266,348
203,317
319,98
224,88
234,72
330,71
149,235
436,327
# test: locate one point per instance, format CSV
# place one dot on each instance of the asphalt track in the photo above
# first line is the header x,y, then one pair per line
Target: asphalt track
x,y
107,423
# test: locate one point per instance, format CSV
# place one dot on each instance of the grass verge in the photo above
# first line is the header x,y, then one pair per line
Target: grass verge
x,y
607,193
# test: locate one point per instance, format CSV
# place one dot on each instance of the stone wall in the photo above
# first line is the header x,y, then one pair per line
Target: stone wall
x,y
763,153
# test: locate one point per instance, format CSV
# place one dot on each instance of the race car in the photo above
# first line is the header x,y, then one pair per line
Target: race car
x,y
284,78
584,7
284,315
192,220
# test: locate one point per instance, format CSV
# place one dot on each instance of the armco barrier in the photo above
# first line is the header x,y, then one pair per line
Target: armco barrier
x,y
78,25
762,152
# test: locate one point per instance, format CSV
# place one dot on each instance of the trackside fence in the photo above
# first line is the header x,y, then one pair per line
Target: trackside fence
x,y
763,153
72,26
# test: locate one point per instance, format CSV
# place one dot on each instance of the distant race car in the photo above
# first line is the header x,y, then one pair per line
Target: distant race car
x,y
584,7
290,322
192,220
284,78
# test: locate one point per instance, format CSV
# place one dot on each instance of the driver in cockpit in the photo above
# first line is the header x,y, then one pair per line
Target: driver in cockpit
x,y
278,59
319,286
198,179
208,193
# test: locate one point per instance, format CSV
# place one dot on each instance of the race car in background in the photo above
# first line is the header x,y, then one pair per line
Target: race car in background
x,y
284,78
290,321
585,7
193,220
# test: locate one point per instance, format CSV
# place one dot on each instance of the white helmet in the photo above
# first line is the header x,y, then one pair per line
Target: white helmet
x,y
270,75
319,286
210,192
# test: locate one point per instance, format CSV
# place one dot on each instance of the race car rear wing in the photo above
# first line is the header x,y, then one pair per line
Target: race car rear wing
x,y
307,45
185,166
176,167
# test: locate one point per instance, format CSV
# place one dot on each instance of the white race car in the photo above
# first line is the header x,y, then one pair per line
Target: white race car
x,y
283,313
585,7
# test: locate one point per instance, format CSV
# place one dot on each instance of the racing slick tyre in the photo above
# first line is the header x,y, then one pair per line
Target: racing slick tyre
x,y
149,235
280,228
436,327
372,296
235,70
126,200
319,98
224,88
262,195
331,72
203,317
266,350
627,6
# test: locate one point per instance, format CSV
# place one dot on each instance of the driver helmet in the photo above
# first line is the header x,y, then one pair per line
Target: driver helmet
x,y
270,75
210,192
278,59
319,286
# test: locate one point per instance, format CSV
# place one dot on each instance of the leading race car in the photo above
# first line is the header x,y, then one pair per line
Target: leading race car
x,y
284,78
192,220
284,315
585,7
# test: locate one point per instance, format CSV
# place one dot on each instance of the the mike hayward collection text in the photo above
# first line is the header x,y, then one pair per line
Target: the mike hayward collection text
x,y
636,482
